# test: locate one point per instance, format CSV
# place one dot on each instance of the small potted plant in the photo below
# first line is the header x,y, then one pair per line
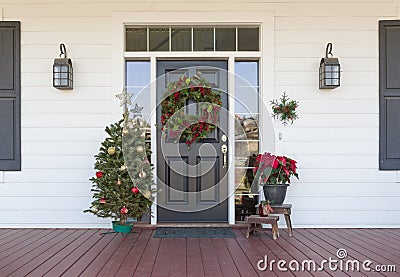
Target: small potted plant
x,y
274,173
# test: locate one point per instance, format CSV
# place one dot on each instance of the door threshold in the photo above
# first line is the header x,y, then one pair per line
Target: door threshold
x,y
238,225
193,224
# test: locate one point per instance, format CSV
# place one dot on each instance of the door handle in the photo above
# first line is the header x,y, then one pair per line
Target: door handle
x,y
224,149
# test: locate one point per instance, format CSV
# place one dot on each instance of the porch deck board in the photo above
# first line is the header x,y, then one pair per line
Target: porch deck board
x,y
357,253
130,263
193,256
378,242
391,241
281,253
79,257
83,252
300,252
359,246
226,262
316,249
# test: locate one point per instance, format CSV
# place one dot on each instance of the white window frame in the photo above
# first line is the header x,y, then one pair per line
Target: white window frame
x,y
265,57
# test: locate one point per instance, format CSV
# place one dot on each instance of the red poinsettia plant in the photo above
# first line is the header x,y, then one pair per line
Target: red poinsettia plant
x,y
274,170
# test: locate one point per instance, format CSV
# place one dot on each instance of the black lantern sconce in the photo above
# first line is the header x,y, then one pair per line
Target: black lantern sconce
x,y
62,70
329,70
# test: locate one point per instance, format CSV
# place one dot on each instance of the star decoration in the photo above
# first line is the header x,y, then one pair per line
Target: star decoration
x,y
124,98
137,110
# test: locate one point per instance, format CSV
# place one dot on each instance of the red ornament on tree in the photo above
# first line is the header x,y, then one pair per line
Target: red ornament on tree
x,y
135,190
124,210
99,174
102,201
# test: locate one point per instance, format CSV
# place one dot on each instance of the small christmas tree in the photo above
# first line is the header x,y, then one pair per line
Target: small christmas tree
x,y
123,184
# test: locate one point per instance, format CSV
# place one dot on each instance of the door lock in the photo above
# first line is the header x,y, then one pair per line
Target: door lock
x,y
224,149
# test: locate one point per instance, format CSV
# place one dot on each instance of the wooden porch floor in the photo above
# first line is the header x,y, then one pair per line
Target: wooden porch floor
x,y
83,252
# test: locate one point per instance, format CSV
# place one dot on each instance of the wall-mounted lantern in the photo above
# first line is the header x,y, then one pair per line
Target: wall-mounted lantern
x,y
329,70
62,70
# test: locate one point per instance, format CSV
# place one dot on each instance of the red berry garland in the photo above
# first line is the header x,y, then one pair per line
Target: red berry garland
x,y
186,127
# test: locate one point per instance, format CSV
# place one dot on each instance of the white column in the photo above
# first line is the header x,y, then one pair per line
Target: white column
x,y
1,14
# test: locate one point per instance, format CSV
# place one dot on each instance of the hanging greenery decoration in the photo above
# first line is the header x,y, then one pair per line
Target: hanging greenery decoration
x,y
284,109
177,120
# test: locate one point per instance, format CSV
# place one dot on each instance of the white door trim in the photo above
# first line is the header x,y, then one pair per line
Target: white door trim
x,y
265,55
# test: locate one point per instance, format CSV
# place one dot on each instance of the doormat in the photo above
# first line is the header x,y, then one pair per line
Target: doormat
x,y
194,232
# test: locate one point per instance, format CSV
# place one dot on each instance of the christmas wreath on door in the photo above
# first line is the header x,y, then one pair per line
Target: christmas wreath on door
x,y
184,96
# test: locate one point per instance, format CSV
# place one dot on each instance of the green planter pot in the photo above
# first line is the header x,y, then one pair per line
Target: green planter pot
x,y
126,229
275,194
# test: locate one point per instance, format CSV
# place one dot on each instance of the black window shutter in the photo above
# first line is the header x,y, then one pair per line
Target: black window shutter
x,y
10,96
389,95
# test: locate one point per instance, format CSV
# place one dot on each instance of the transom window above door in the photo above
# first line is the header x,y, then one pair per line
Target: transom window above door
x,y
193,38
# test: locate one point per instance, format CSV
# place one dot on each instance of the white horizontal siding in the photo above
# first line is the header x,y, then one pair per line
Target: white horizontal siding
x,y
40,203
62,134
336,190
76,148
317,50
312,92
68,190
348,64
50,175
83,79
347,120
83,65
42,162
335,139
78,94
66,120
341,135
338,162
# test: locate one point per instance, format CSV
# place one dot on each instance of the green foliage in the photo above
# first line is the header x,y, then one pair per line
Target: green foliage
x,y
285,109
120,168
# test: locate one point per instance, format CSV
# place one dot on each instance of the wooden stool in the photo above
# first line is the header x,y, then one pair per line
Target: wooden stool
x,y
286,210
255,220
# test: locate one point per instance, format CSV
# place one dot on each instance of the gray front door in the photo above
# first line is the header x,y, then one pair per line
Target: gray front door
x,y
192,182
